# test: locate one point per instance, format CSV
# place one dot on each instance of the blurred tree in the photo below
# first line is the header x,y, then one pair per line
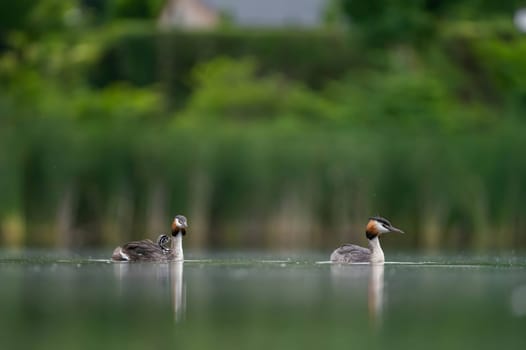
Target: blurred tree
x,y
106,10
382,21
51,16
13,14
228,89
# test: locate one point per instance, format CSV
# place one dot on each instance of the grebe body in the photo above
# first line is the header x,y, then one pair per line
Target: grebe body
x,y
147,250
350,253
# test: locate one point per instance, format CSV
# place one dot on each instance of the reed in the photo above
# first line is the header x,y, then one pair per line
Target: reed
x,y
261,187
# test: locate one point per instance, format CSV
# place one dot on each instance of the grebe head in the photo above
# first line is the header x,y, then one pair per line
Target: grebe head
x,y
378,225
179,225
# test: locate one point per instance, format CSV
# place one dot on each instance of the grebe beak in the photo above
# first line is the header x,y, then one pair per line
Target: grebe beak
x,y
394,229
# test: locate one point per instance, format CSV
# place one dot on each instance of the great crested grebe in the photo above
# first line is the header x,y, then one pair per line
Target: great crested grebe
x,y
146,250
350,253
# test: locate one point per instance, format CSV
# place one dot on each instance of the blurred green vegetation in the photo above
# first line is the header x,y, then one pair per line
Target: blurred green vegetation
x,y
264,138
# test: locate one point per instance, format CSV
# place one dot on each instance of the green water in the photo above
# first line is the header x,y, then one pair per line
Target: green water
x,y
257,301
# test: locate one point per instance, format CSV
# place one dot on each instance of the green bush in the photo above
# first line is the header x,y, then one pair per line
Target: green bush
x,y
382,22
503,64
234,90
145,57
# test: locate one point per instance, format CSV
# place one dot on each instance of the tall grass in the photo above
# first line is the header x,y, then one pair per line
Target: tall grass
x,y
68,184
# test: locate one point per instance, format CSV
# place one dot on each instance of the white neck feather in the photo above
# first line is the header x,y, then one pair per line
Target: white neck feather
x,y
177,247
377,254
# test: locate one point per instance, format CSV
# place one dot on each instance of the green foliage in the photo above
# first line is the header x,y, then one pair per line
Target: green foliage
x,y
385,21
416,21
503,64
133,8
227,89
415,99
118,102
145,57
53,16
13,15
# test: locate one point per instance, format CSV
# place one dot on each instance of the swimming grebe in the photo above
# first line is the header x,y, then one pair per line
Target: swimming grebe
x,y
350,253
146,250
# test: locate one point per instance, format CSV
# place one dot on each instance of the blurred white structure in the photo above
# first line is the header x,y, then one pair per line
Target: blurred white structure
x,y
520,19
191,14
203,14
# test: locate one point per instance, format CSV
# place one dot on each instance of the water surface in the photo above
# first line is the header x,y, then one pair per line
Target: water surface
x,y
55,301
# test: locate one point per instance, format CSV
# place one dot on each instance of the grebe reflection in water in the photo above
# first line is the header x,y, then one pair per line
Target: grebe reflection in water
x,y
162,282
348,278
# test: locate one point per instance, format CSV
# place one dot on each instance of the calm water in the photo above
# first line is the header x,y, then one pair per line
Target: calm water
x,y
52,301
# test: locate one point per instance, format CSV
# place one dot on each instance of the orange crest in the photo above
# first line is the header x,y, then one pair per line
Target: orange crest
x,y
371,227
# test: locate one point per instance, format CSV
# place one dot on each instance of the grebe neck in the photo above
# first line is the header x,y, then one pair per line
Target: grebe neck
x,y
177,246
377,254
